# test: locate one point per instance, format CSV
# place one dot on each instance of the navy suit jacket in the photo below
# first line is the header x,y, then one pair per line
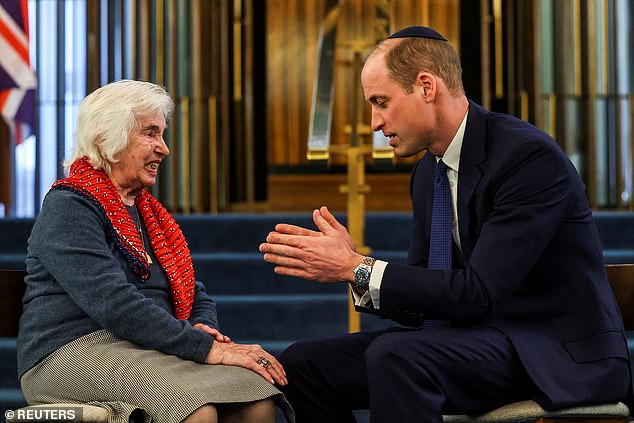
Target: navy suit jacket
x,y
533,264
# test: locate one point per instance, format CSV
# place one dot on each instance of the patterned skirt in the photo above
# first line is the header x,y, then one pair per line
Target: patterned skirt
x,y
100,368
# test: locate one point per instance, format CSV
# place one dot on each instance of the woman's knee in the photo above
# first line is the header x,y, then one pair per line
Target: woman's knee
x,y
262,411
205,414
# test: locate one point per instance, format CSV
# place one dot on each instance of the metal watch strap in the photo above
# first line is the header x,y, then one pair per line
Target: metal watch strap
x,y
362,273
369,261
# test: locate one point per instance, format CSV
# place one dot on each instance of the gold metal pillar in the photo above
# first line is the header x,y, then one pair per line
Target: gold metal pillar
x,y
356,188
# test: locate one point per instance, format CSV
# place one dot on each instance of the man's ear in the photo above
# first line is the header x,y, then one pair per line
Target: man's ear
x,y
427,82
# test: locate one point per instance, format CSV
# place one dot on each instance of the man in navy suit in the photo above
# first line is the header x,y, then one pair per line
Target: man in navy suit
x,y
525,308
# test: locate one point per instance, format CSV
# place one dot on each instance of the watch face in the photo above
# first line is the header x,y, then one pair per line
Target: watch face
x,y
363,273
362,276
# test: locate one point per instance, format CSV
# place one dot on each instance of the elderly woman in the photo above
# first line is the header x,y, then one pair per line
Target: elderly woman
x,y
112,311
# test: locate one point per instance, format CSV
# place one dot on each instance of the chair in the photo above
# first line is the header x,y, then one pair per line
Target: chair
x,y
12,284
621,278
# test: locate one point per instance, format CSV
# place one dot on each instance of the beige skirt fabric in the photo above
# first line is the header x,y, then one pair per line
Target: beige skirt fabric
x,y
101,368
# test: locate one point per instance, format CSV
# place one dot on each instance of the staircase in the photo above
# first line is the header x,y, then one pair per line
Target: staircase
x,y
257,305
254,304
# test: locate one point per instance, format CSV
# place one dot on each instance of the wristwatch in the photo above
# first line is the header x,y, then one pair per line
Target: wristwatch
x,y
362,273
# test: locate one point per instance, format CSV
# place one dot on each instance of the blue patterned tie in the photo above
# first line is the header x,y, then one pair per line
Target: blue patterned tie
x,y
440,243
441,237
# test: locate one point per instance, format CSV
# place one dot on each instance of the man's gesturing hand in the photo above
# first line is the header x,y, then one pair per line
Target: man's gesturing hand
x,y
327,255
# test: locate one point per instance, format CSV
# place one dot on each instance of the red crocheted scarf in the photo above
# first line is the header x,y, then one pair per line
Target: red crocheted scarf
x,y
166,238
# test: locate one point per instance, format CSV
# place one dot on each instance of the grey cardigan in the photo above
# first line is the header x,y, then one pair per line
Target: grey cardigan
x,y
79,282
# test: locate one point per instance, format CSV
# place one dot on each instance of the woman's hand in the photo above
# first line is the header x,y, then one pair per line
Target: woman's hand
x,y
251,357
213,332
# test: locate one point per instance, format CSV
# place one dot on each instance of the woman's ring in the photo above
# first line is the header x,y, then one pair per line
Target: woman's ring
x,y
264,362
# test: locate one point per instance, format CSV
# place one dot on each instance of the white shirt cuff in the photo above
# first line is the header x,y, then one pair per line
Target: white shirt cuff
x,y
372,297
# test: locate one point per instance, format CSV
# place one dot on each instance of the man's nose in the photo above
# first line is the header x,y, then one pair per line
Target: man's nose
x,y
377,121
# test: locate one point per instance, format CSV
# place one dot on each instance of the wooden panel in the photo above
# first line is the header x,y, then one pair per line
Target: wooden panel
x,y
292,38
305,192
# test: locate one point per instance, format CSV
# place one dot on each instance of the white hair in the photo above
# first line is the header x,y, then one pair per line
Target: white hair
x,y
109,114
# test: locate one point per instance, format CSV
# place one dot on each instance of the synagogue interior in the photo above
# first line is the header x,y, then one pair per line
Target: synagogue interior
x,y
271,123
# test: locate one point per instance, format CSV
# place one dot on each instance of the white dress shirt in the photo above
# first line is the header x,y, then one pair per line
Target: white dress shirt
x,y
452,159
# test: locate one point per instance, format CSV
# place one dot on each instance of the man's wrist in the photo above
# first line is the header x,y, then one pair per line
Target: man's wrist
x,y
362,274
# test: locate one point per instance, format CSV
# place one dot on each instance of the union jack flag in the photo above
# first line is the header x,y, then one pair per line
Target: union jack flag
x,y
17,80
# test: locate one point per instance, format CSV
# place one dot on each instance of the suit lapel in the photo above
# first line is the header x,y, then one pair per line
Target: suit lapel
x,y
471,156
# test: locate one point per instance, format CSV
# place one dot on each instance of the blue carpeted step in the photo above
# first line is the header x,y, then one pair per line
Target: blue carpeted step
x,y
233,232
614,256
245,232
10,394
287,317
8,360
244,273
10,399
248,273
12,261
13,234
616,229
275,317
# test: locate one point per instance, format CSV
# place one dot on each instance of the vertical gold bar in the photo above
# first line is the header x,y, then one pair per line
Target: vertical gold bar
x,y
354,320
511,73
538,103
135,34
170,80
144,17
185,154
248,105
485,34
618,151
225,104
160,42
604,47
552,115
524,107
356,219
213,154
499,64
425,12
631,158
237,50
455,18
576,16
593,88
592,75
392,8
93,40
197,106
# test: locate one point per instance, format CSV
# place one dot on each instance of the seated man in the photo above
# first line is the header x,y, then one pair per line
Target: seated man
x,y
505,265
